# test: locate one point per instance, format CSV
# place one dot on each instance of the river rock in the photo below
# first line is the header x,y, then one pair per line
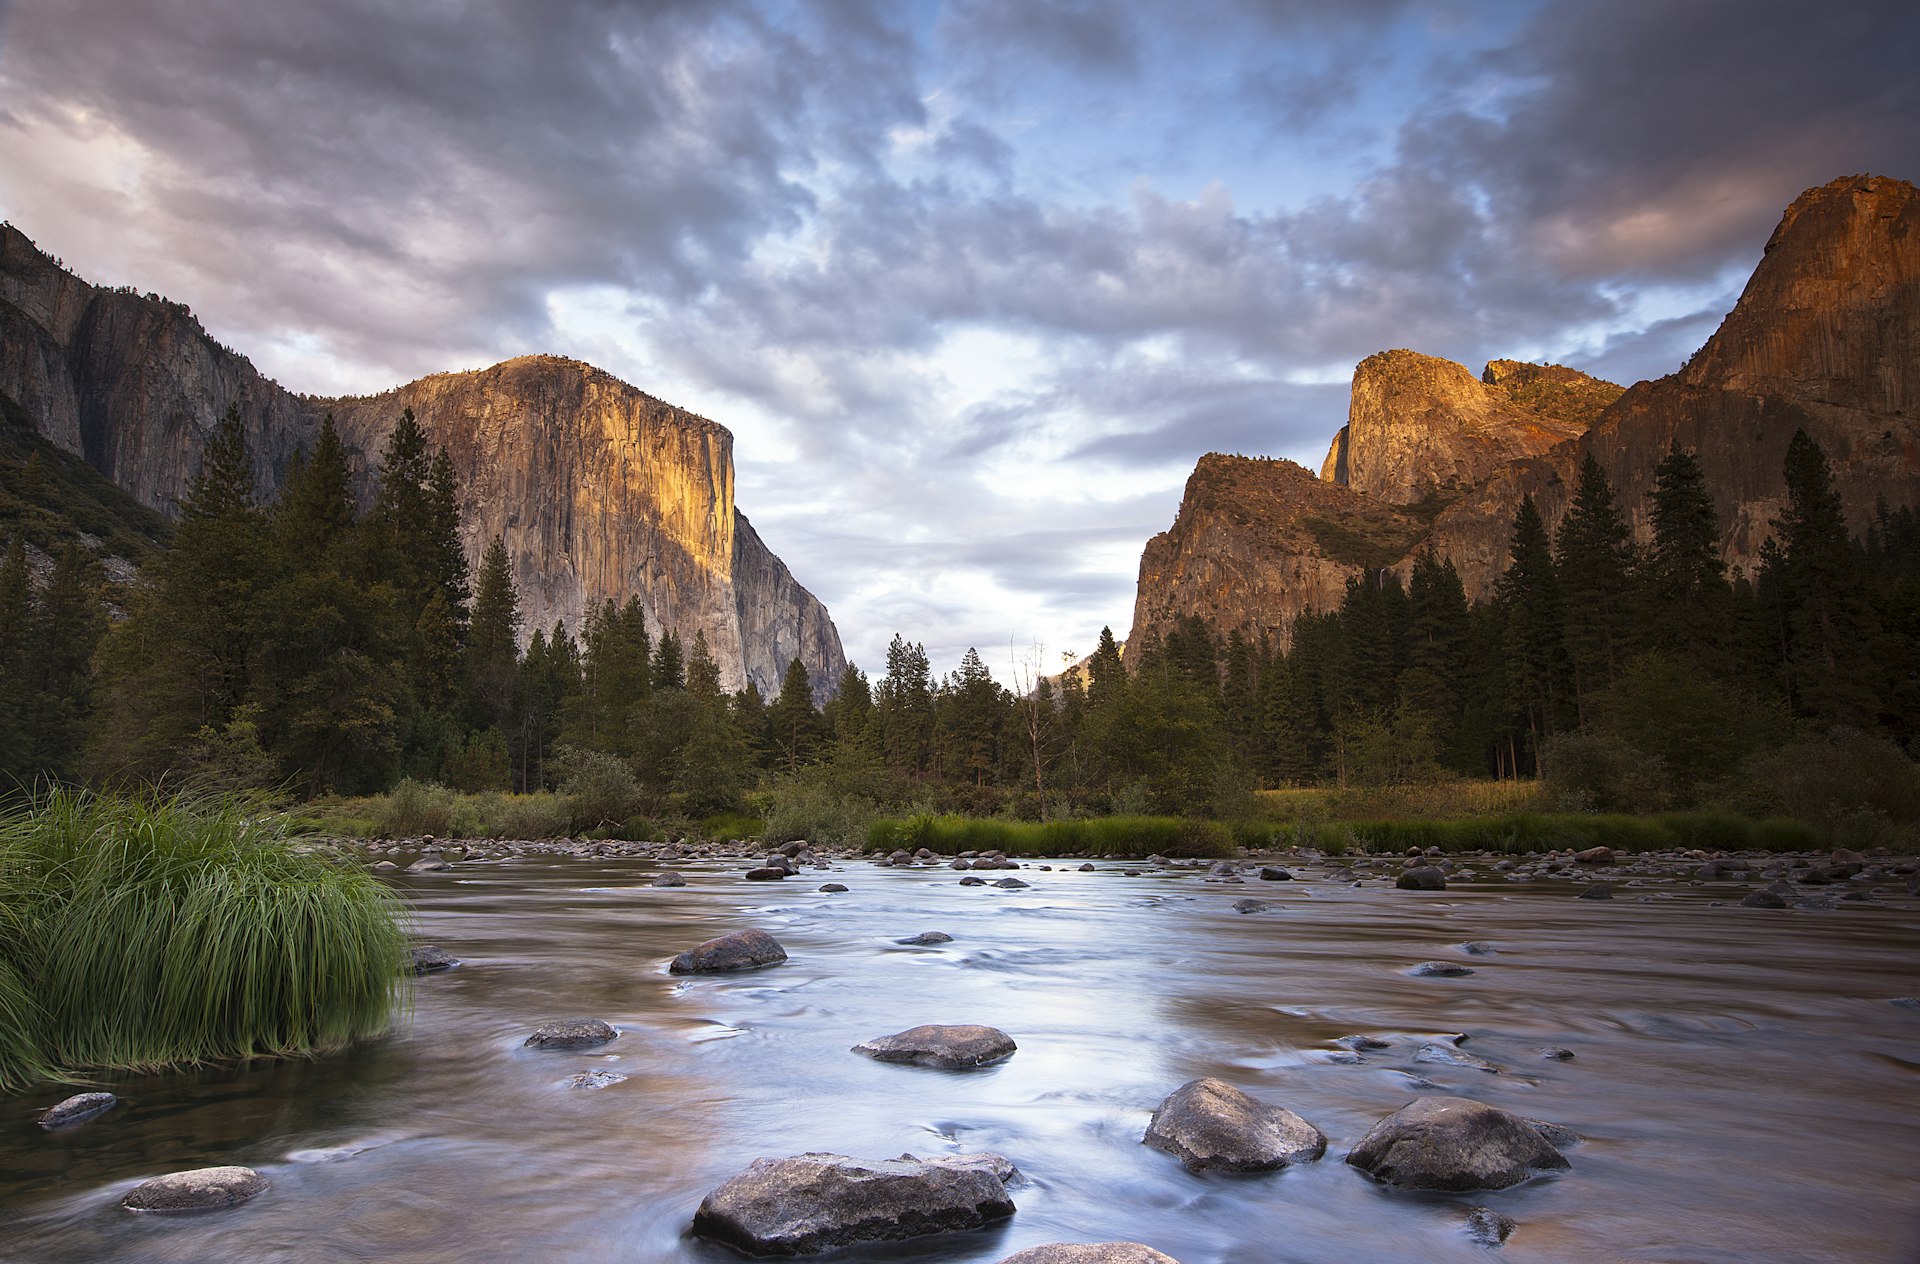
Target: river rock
x,y
1012,884
596,1079
76,1110
202,1189
572,1033
1478,948
1598,891
383,866
767,873
834,888
668,879
740,950
1209,1124
1454,1057
1422,878
815,1202
1454,1143
927,937
1907,1002
1556,1053
1440,970
1360,1044
1273,873
1764,898
971,881
1090,1253
427,959
1595,856
956,1047
1250,906
426,864
1488,1227
1086,868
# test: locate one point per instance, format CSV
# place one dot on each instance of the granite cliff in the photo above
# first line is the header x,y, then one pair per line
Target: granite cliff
x,y
1825,338
599,490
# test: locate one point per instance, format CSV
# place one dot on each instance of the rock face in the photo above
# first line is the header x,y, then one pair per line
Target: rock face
x,y
950,1048
1825,338
740,950
202,1189
599,490
814,1202
1209,1124
1454,1143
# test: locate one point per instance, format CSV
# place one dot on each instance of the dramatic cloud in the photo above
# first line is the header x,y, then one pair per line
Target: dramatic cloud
x,y
973,283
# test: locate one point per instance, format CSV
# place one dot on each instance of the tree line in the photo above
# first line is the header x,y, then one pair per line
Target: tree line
x,y
306,644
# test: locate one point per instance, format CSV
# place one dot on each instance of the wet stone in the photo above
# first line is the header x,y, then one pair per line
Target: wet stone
x,y
428,864
1422,878
1273,873
1086,869
1907,1003
76,1110
596,1079
1440,970
971,881
1360,1043
1446,1056
741,950
427,959
1556,1053
956,1047
1250,906
1488,1227
1090,1253
1454,1143
202,1189
927,937
815,1202
1598,891
833,888
1012,884
767,873
571,1033
1764,898
668,879
1210,1125
1478,948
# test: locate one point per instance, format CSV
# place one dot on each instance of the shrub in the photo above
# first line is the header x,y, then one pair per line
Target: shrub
x,y
540,815
600,788
140,934
414,808
1598,772
1844,777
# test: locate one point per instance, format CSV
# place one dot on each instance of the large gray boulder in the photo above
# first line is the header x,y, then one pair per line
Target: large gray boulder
x,y
202,1189
954,1047
1422,878
1090,1253
741,950
815,1202
1209,1124
1453,1143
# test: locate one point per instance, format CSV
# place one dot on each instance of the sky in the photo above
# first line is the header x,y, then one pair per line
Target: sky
x,y
975,283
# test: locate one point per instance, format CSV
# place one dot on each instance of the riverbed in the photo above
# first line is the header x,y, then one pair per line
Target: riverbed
x,y
1743,1086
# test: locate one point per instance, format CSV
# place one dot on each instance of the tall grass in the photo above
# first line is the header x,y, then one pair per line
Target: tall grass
x,y
148,933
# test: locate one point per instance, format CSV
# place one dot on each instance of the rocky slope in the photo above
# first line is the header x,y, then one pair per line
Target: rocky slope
x,y
1826,337
599,490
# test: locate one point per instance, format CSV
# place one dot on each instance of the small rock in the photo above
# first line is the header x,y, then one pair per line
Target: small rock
x,y
962,863
741,950
1134,873
1764,898
958,1047
202,1189
814,1202
1453,1143
1598,891
767,873
833,888
76,1110
1488,1227
426,864
1478,948
1249,906
572,1033
1360,1043
927,937
1454,1057
1086,869
1556,1053
1422,878
1595,856
1012,883
668,879
1209,1124
1345,1057
1907,1002
1272,873
427,959
1440,970
596,1079
383,866
1557,1135
1090,1253
971,881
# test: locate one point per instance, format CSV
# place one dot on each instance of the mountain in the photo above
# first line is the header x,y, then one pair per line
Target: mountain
x,y
600,491
1825,338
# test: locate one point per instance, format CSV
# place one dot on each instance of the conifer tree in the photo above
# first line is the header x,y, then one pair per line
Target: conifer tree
x,y
669,665
1439,631
1538,675
67,625
792,723
1687,580
1593,556
1106,674
315,512
903,707
493,643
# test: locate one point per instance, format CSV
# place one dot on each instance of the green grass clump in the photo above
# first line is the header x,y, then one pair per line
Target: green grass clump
x,y
1100,836
1534,832
732,825
141,934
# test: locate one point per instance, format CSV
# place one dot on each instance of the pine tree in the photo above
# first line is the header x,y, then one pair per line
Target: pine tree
x,y
1538,674
1439,631
67,625
1593,555
1106,674
315,512
669,666
973,711
493,643
903,707
792,723
1686,606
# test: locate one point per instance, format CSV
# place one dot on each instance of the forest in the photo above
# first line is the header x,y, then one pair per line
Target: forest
x,y
313,650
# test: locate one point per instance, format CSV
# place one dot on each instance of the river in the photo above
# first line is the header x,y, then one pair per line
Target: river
x,y
1744,1088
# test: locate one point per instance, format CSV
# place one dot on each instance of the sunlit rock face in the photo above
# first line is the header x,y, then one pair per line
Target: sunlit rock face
x,y
1826,338
599,490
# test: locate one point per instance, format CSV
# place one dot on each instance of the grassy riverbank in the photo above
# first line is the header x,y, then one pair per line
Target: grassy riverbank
x,y
139,934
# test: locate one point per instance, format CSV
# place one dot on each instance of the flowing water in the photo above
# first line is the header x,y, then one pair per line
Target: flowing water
x,y
1744,1089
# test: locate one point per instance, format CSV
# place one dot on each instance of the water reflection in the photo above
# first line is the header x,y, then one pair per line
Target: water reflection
x,y
1745,1090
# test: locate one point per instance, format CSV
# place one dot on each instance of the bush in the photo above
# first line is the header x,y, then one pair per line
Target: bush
x,y
1840,781
415,808
140,934
600,789
1598,772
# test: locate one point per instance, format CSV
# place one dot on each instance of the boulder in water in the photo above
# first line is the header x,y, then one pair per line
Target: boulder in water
x,y
1209,1124
815,1202
1488,1227
1440,970
76,1110
427,959
668,879
740,950
201,1189
767,873
572,1033
1422,878
955,1047
1454,1143
1012,884
927,937
834,888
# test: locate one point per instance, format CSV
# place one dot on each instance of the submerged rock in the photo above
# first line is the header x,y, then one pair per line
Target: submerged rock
x,y
1440,970
1478,948
1454,1143
814,1202
740,950
572,1033
1598,891
1360,1044
202,1189
427,959
426,864
1556,1053
1250,906
1488,1227
76,1110
971,881
1209,1124
1446,1056
1764,898
1422,878
956,1047
927,937
1090,1253
596,1079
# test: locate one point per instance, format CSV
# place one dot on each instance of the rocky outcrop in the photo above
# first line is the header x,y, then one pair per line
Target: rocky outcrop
x,y
1825,338
600,491
1420,427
